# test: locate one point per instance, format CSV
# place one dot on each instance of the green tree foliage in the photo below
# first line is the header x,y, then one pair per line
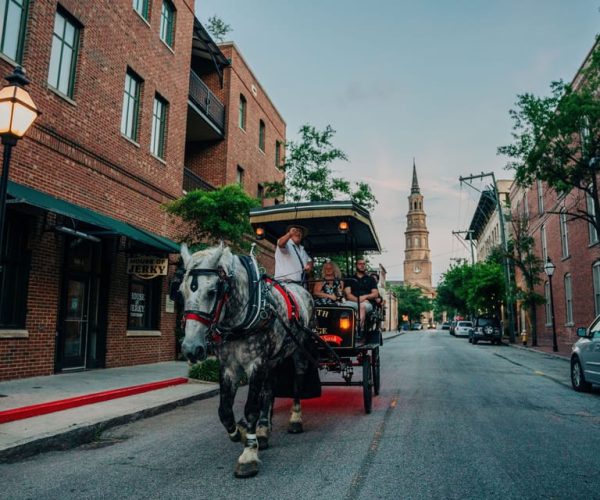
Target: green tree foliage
x,y
308,173
557,140
411,302
452,292
217,28
210,216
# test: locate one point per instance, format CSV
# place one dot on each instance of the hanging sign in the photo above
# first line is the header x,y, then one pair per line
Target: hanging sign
x,y
147,267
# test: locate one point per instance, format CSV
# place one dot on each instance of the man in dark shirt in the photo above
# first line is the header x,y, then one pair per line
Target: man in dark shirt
x,y
360,288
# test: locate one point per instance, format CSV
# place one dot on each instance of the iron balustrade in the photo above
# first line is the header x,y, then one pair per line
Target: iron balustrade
x,y
192,181
206,101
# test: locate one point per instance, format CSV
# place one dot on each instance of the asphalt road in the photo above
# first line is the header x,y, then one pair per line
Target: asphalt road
x,y
452,421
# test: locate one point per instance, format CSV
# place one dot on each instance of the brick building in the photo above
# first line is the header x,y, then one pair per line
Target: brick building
x,y
123,128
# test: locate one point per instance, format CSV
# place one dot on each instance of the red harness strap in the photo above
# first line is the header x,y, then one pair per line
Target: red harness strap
x,y
290,301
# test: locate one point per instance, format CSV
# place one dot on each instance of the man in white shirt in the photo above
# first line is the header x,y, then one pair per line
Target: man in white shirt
x,y
292,263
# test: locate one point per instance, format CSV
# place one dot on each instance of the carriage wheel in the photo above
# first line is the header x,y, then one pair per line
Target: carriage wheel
x,y
376,363
367,382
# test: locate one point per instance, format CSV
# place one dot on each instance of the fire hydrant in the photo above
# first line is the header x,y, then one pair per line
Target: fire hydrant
x,y
524,337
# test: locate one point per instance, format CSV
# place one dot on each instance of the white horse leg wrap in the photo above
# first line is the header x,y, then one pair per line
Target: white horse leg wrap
x,y
250,453
296,414
262,431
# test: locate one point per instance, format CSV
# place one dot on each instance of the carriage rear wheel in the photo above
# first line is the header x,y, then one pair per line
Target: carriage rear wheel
x,y
376,363
367,382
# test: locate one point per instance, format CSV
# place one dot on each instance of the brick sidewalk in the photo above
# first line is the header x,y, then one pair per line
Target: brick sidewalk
x,y
545,346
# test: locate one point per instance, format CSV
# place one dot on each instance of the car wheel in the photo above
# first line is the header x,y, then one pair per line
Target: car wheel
x,y
578,378
474,341
470,340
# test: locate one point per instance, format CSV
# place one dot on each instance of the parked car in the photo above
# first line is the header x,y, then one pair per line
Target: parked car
x,y
452,327
445,326
585,357
417,326
462,328
486,328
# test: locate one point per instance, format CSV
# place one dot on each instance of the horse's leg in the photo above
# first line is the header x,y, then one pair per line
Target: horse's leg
x,y
226,397
248,462
263,429
300,366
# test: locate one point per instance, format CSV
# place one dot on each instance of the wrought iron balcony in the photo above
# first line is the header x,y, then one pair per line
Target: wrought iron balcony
x,y
192,181
205,103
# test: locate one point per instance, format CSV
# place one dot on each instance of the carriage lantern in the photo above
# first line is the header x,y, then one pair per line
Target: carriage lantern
x,y
260,233
343,227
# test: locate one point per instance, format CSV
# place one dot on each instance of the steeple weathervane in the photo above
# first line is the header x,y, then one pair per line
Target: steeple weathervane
x,y
415,183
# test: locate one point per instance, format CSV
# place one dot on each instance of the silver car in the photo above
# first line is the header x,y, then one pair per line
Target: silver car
x,y
585,358
462,328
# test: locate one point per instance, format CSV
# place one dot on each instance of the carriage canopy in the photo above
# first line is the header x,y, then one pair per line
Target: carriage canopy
x,y
327,233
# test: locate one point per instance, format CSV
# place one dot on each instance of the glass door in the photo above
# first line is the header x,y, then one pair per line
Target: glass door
x,y
75,323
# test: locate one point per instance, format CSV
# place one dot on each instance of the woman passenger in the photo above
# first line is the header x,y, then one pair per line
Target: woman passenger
x,y
329,289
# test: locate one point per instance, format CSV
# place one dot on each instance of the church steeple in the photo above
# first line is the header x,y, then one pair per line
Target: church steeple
x,y
415,183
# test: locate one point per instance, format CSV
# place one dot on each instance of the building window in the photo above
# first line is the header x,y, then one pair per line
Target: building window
x,y
547,305
260,191
261,135
277,153
13,15
144,303
591,210
544,243
159,127
239,176
242,113
564,233
568,300
131,105
167,22
141,7
63,58
596,279
13,286
540,196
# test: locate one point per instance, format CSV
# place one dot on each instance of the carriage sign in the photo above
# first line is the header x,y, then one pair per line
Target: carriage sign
x,y
147,267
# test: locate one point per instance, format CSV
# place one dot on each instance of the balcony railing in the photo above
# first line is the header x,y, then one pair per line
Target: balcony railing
x,y
207,102
192,181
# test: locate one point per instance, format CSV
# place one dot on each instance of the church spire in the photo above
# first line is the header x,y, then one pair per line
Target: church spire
x,y
415,183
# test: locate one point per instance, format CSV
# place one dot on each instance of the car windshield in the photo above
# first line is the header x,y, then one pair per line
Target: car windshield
x,y
465,323
487,322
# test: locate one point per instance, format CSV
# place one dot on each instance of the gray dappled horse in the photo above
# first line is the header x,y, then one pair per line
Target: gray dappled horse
x,y
254,324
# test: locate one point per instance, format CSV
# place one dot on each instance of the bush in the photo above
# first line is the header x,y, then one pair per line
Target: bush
x,y
207,370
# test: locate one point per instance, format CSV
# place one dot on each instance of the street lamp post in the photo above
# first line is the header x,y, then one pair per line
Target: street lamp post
x,y
17,113
549,268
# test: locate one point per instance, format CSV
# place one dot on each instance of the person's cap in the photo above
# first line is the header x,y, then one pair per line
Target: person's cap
x,y
302,228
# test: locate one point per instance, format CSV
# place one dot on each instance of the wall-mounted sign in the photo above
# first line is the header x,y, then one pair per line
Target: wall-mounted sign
x,y
147,267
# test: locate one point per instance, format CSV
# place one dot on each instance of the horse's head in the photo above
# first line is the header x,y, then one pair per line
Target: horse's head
x,y
205,287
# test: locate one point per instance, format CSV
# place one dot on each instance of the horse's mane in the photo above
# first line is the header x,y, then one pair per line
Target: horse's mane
x,y
210,257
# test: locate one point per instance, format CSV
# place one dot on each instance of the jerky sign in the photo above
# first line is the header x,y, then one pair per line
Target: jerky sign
x,y
147,267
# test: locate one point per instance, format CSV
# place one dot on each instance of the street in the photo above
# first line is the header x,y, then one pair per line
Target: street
x,y
452,420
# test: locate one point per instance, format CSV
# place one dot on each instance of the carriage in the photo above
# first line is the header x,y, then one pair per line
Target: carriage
x,y
335,228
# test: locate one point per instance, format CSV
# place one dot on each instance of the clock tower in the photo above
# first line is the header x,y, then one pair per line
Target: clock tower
x,y
417,263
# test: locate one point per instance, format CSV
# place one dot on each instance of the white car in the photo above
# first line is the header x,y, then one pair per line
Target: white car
x,y
585,358
462,328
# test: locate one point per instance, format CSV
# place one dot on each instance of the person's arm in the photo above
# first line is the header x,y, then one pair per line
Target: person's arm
x,y
319,293
282,242
350,295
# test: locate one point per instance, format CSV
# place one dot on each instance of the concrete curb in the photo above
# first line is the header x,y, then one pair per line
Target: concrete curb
x,y
88,433
533,349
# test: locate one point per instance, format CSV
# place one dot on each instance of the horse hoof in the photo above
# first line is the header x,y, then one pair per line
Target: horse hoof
x,y
263,443
236,436
249,469
295,428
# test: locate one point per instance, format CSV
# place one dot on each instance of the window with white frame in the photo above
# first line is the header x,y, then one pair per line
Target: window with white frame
x,y
242,113
568,300
547,304
131,105
167,22
540,196
544,243
141,7
591,210
564,234
63,57
239,176
159,127
13,16
596,280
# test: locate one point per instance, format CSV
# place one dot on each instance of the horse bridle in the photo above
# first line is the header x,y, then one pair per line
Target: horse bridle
x,y
210,318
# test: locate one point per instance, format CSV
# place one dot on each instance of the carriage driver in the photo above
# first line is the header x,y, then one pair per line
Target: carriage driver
x,y
361,286
292,263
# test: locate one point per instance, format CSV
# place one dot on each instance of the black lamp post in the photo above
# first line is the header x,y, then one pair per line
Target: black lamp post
x,y
549,268
17,113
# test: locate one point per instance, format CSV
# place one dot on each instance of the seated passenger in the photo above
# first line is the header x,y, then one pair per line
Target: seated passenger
x,y
361,288
329,289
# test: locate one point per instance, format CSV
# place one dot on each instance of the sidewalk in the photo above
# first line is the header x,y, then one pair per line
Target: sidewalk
x,y
545,347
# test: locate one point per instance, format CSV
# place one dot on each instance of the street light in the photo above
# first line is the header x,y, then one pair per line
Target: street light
x,y
549,268
17,113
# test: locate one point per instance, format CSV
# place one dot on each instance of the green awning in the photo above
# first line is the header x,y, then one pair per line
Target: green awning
x,y
109,225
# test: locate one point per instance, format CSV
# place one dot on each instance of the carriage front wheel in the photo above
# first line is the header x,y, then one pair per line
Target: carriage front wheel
x,y
367,382
376,363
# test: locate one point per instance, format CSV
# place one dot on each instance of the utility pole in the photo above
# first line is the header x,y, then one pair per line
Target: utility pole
x,y
470,233
509,305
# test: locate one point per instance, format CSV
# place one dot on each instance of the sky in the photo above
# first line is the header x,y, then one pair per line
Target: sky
x,y
432,80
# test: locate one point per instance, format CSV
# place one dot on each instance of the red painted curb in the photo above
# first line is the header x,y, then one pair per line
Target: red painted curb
x,y
97,397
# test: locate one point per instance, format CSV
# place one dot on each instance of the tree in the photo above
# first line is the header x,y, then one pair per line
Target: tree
x,y
557,140
452,292
218,28
222,214
411,302
308,175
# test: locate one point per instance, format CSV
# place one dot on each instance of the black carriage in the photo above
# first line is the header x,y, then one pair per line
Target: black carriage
x,y
335,228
